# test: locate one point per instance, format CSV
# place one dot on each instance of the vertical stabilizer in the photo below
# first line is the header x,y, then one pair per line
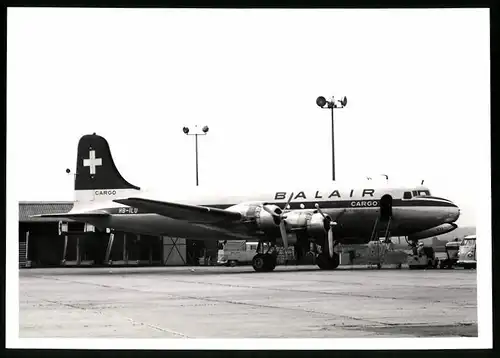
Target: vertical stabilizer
x,y
97,178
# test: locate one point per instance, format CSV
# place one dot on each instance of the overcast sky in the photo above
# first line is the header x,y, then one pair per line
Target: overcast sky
x,y
417,83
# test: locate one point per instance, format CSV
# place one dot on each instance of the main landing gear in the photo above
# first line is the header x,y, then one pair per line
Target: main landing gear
x,y
266,257
325,261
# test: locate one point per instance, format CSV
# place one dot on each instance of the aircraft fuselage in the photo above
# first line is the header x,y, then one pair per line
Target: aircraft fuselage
x,y
356,224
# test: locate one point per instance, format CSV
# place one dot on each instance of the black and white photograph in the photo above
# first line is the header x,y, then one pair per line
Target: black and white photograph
x,y
248,178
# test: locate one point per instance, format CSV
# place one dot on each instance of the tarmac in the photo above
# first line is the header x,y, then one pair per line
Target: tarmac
x,y
236,302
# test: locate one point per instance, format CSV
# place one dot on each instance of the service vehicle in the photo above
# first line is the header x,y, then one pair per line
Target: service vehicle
x,y
422,258
467,252
451,259
237,252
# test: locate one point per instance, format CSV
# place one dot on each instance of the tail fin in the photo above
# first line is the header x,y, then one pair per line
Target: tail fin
x,y
97,177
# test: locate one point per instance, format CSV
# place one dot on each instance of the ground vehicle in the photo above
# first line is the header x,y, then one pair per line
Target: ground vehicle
x,y
236,252
374,253
240,252
423,257
451,248
467,252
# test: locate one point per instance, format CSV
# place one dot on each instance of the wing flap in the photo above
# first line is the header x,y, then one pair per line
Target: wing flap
x,y
191,213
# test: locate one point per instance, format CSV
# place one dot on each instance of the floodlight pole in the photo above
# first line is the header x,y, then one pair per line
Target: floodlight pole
x,y
330,104
196,149
333,148
196,134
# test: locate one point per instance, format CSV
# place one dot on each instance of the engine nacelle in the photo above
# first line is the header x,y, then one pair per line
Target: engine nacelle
x,y
435,231
297,219
317,225
311,222
256,213
264,220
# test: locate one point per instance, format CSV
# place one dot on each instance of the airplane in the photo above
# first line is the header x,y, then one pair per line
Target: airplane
x,y
318,219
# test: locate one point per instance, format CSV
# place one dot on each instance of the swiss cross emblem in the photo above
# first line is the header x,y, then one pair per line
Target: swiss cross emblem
x,y
92,162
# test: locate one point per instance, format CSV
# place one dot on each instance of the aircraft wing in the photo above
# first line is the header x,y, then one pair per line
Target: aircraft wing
x,y
73,216
191,213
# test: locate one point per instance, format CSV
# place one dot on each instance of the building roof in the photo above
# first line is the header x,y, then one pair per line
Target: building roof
x,y
28,208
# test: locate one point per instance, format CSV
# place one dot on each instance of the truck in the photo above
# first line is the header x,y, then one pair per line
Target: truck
x,y
467,252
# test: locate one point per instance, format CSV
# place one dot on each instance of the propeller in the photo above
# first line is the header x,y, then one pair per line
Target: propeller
x,y
329,225
280,217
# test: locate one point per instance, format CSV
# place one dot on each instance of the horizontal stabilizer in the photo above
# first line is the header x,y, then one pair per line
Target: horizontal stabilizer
x,y
191,213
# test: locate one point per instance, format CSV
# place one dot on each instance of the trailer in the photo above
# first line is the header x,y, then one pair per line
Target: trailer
x,y
423,258
452,249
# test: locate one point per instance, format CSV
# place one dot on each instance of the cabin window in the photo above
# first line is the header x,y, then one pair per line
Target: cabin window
x,y
407,195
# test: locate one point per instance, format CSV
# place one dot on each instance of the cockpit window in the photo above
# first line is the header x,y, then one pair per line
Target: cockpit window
x,y
421,193
407,195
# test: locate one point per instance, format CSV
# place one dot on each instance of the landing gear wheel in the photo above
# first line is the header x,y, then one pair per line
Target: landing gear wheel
x,y
264,262
324,262
258,263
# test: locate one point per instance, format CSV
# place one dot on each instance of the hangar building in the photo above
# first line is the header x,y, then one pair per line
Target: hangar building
x,y
44,242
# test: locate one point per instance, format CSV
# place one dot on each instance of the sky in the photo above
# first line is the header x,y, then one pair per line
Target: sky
x,y
417,83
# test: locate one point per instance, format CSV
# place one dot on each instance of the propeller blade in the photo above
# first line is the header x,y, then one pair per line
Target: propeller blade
x,y
319,210
284,237
330,242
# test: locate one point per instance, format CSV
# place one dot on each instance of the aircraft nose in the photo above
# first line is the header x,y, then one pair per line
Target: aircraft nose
x,y
454,213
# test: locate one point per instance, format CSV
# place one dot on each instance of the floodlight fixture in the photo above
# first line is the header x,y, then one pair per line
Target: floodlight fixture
x,y
321,101
196,133
332,104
